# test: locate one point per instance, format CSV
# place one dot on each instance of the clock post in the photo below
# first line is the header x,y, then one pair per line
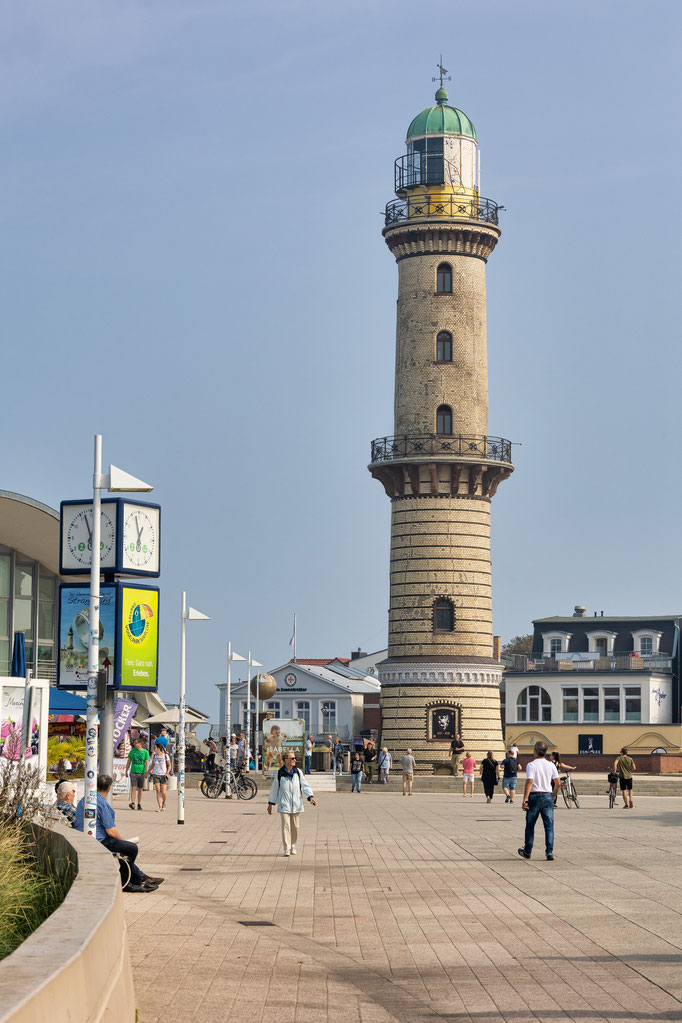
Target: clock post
x,y
90,555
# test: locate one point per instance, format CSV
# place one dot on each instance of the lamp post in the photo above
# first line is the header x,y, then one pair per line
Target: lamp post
x,y
114,481
251,664
188,614
231,656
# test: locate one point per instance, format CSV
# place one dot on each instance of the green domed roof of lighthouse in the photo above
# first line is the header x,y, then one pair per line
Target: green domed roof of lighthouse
x,y
440,119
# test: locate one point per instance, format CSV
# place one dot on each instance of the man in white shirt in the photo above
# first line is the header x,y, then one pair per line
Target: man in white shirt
x,y
542,787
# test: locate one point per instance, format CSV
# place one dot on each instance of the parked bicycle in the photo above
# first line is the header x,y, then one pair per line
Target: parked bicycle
x,y
214,783
613,789
568,791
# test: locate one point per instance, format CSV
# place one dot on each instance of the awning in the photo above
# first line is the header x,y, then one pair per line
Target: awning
x,y
65,703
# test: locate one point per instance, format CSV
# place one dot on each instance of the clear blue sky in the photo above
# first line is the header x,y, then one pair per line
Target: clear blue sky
x,y
192,265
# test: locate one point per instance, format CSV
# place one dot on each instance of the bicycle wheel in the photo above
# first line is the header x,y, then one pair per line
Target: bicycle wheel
x,y
246,789
574,796
204,787
214,789
565,794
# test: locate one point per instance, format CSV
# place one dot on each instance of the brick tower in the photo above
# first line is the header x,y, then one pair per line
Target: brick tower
x,y
440,468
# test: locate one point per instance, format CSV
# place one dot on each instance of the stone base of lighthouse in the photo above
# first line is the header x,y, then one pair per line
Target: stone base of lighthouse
x,y
422,700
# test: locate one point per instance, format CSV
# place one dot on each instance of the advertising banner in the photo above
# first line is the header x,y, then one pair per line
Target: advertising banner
x,y
280,734
123,715
121,783
12,744
138,637
74,634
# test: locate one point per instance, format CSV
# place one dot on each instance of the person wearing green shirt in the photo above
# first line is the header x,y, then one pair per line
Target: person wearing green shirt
x,y
137,767
625,765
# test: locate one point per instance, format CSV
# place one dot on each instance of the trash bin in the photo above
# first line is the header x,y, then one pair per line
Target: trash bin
x,y
322,761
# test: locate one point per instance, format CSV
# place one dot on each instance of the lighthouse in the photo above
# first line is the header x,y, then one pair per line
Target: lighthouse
x,y
440,467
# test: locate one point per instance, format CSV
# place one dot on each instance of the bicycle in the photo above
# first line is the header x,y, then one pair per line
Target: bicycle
x,y
214,784
568,792
613,789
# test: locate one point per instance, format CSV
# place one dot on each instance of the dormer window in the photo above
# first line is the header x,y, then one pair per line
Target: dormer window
x,y
601,642
645,642
554,643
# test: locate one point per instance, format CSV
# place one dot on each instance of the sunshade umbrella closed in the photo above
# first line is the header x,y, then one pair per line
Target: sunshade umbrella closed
x,y
19,656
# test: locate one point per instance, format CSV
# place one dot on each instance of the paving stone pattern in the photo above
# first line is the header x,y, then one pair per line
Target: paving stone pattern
x,y
411,910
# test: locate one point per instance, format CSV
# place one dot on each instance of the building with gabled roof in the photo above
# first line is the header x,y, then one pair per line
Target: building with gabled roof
x,y
329,694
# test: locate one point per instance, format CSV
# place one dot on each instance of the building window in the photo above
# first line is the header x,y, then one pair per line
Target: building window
x,y
556,646
443,616
533,704
646,646
570,703
600,646
444,421
444,279
633,703
611,703
303,711
274,707
590,703
444,347
329,716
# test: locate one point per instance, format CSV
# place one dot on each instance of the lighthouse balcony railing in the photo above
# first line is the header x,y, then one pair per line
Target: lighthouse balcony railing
x,y
424,445
451,206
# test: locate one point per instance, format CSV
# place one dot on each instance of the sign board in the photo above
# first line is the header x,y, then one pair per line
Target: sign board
x,y
121,784
590,744
13,743
443,723
74,634
128,635
138,638
280,734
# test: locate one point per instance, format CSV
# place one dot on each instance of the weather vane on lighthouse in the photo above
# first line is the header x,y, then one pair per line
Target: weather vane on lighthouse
x,y
443,73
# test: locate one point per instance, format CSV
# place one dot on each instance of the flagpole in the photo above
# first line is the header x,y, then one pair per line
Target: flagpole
x,y
248,710
294,637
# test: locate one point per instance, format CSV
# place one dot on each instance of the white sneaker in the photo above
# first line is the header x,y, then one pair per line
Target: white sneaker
x,y
293,850
286,853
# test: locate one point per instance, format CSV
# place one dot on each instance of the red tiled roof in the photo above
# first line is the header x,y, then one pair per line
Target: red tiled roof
x,y
320,662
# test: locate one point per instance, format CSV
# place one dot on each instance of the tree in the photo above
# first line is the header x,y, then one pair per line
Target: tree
x,y
518,645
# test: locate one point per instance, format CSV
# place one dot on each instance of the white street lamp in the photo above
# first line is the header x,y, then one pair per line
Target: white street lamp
x,y
231,656
251,664
116,480
188,614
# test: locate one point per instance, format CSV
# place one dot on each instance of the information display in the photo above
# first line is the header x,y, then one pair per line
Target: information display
x,y
280,734
139,637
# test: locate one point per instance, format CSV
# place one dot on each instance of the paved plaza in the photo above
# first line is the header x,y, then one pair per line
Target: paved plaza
x,y
410,910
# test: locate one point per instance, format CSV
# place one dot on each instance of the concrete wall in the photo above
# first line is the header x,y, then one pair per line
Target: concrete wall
x,y
76,966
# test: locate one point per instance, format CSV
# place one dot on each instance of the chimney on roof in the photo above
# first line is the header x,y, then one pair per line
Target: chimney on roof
x,y
497,647
579,611
602,614
354,654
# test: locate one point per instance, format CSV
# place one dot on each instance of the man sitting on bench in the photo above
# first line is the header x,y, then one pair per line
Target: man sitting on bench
x,y
108,834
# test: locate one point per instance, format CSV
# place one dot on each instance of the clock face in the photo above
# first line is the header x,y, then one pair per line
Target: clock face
x,y
140,538
77,537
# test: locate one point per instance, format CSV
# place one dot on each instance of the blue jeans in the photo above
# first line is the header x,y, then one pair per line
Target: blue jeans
x,y
540,803
356,782
308,762
338,764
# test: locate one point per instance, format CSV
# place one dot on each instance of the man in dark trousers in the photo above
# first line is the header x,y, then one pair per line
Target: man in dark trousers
x,y
456,751
111,838
542,786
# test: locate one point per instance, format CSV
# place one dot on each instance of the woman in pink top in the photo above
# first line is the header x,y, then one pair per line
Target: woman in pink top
x,y
468,768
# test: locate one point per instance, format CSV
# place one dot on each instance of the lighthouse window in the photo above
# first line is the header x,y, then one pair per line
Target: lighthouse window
x,y
444,421
444,347
444,279
443,616
424,163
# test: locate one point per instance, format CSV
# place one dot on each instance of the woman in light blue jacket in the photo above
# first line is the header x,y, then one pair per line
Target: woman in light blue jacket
x,y
288,788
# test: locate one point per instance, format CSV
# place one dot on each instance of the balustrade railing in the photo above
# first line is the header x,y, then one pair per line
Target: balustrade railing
x,y
416,445
458,207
